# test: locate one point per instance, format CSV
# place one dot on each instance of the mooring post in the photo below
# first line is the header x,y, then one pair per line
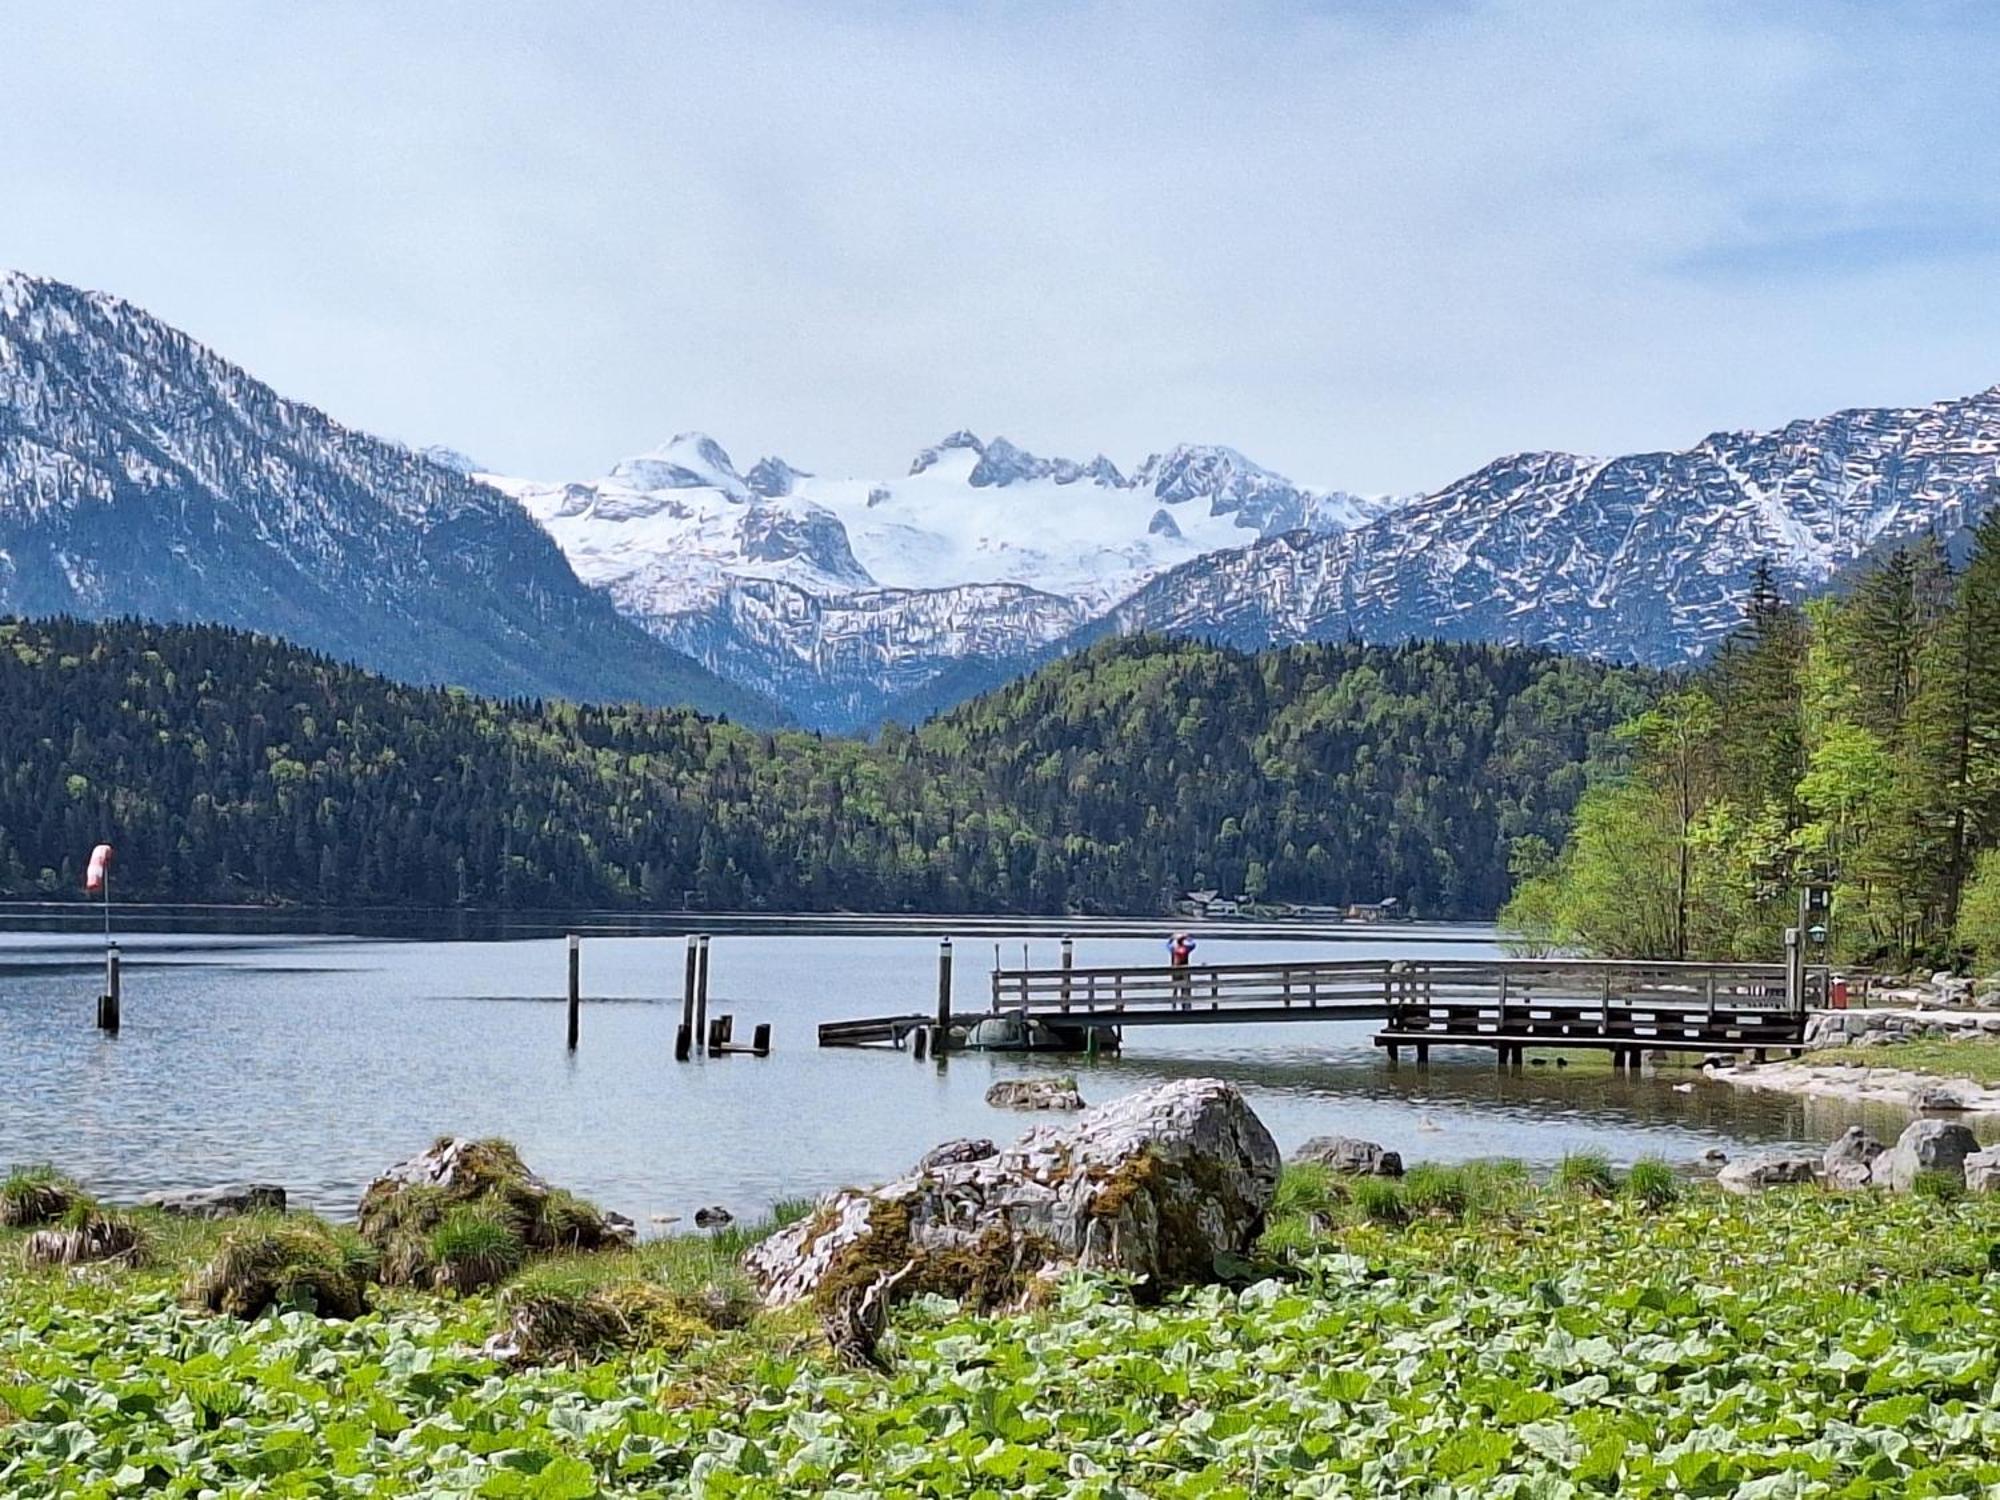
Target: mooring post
x,y
1068,963
700,1032
109,1003
920,1043
760,1039
575,987
684,1037
941,1043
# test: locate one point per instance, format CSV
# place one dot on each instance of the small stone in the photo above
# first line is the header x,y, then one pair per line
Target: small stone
x,y
715,1216
219,1202
1925,1146
664,1218
1350,1157
1715,1156
956,1153
1982,1170
1753,1174
1034,1093
1938,1096
1848,1163
1856,1144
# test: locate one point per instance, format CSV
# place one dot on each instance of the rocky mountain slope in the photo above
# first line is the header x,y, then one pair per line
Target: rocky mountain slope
x,y
1645,557
846,596
142,474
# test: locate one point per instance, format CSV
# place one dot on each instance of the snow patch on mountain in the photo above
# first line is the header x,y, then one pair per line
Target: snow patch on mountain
x,y
1645,557
982,548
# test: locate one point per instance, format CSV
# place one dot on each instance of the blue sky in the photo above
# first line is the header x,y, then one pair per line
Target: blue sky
x,y
1371,244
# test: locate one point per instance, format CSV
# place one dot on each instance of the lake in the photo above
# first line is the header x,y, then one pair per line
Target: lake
x,y
316,1059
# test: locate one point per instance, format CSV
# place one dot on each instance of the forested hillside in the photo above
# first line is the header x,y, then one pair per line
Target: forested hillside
x,y
1854,742
226,766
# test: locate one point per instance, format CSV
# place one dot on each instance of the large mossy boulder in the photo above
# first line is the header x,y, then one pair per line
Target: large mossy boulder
x,y
467,1213
1160,1185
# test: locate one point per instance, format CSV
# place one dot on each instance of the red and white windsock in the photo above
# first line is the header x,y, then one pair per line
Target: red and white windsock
x,y
100,866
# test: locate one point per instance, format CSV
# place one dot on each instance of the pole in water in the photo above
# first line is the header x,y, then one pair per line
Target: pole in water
x,y
701,990
684,1038
941,1043
110,1002
575,987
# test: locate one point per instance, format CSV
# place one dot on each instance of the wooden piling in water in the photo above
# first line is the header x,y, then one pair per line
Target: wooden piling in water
x,y
920,1042
760,1039
700,1032
684,1038
575,988
110,1002
720,1032
941,1042
1068,963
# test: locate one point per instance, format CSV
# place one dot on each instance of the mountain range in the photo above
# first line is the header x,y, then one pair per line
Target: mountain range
x,y
142,474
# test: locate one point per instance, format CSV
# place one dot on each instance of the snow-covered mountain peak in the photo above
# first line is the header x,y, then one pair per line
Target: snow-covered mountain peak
x,y
452,459
692,461
961,441
773,478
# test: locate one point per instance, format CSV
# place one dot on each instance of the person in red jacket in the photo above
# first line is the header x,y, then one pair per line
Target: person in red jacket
x,y
1180,949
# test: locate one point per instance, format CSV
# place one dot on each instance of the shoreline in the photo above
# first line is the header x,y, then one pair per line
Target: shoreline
x,y
1920,1093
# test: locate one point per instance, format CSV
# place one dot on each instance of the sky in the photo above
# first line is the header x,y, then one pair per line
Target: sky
x,y
1372,244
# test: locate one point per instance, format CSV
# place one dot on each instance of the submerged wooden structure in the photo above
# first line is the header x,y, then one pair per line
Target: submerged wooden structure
x,y
1507,1005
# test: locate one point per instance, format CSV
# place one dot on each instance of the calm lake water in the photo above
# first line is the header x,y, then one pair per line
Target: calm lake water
x,y
316,1060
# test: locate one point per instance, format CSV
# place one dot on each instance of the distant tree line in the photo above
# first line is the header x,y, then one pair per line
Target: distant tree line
x,y
231,767
1854,742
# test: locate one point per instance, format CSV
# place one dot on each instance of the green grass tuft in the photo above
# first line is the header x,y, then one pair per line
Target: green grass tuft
x,y
1380,1199
1587,1172
1652,1182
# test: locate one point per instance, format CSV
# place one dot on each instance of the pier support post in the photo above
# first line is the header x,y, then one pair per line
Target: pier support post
x,y
109,1003
760,1039
684,1038
920,1042
1068,963
700,1032
941,1043
1423,1054
575,987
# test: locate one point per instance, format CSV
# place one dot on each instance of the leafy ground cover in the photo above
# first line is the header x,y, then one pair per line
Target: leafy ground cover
x,y
1966,1057
1463,1333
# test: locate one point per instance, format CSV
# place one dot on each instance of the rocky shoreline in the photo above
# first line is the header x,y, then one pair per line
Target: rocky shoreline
x,y
1900,1087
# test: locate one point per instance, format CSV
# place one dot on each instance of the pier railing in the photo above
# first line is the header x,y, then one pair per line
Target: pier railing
x,y
1353,986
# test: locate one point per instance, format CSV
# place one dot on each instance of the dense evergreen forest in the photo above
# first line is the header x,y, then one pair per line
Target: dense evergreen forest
x,y
1853,742
230,767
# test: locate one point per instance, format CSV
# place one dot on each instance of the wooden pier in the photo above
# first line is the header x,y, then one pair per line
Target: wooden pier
x,y
1508,1005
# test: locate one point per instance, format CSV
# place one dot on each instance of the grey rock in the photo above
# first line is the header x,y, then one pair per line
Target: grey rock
x,y
1938,1096
1155,1185
219,1202
1034,1093
1752,1174
1715,1156
1849,1161
715,1216
1982,1170
621,1228
956,1154
1925,1146
1350,1157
